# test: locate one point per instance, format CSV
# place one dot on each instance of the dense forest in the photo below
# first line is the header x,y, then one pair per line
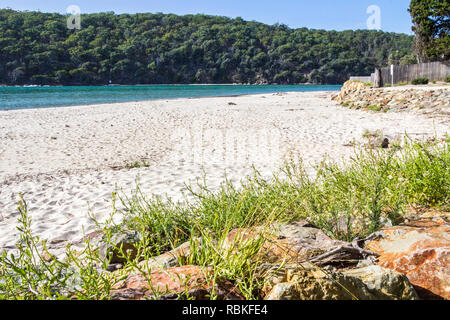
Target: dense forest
x,y
39,48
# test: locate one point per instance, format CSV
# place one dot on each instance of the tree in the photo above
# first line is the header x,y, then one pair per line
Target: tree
x,y
431,24
144,48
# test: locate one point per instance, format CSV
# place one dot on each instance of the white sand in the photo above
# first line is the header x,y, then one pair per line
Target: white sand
x,y
61,159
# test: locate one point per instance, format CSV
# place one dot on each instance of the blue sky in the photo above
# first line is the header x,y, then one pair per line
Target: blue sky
x,y
316,14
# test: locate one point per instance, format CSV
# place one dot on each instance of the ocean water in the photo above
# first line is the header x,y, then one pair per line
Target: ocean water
x,y
43,97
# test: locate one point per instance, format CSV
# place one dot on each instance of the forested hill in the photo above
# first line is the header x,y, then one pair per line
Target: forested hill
x,y
38,48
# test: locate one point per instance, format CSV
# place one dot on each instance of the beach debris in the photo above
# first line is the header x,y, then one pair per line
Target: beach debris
x,y
231,104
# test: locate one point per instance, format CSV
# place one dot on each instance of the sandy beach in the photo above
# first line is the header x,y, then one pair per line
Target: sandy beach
x,y
67,161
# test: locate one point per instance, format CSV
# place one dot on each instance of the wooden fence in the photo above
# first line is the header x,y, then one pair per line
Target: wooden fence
x,y
438,71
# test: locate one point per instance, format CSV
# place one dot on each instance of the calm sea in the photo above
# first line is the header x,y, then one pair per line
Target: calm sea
x,y
43,97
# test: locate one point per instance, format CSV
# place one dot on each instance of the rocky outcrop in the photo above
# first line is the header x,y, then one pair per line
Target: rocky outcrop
x,y
298,261
175,283
358,95
420,249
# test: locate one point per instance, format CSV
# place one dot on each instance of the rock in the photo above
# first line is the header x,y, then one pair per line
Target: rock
x,y
114,266
126,241
166,260
384,284
385,143
294,242
283,291
420,249
308,282
173,283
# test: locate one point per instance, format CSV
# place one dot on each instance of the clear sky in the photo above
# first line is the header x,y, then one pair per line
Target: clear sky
x,y
316,14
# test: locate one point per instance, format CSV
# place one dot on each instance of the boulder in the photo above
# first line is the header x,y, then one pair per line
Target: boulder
x,y
166,260
290,242
174,283
420,249
126,241
384,284
308,282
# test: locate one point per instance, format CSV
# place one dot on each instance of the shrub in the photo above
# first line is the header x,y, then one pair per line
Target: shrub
x,y
447,79
374,107
420,81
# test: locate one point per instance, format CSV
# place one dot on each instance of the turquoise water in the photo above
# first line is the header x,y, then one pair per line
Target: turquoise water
x,y
41,97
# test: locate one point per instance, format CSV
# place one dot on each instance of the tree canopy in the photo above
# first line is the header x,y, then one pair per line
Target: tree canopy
x,y
38,48
431,19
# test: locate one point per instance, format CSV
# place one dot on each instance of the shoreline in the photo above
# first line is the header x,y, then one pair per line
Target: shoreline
x,y
164,84
67,161
162,99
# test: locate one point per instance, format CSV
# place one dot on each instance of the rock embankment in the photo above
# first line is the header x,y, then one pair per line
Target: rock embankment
x,y
429,100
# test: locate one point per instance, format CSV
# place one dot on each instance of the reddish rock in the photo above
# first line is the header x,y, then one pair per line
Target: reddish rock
x,y
291,243
421,250
185,281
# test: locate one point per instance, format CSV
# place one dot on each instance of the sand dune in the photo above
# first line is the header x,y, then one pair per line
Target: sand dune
x,y
67,160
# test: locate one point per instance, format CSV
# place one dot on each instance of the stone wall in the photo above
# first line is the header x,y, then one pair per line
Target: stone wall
x,y
429,100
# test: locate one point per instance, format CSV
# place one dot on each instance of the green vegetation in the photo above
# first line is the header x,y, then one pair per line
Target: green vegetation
x,y
420,81
138,164
374,187
432,28
374,107
447,79
38,48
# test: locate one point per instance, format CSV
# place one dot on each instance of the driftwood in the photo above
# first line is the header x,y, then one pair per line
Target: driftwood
x,y
343,255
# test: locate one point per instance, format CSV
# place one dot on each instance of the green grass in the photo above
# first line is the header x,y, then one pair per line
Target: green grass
x,y
374,107
346,200
137,164
372,134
